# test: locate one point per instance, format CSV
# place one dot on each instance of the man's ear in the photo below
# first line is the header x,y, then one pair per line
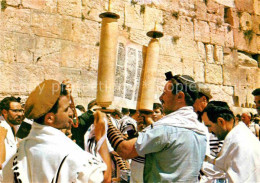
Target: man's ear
x,y
4,112
221,122
49,119
181,95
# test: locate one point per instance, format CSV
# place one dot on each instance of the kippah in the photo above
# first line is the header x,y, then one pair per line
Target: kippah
x,y
42,99
256,92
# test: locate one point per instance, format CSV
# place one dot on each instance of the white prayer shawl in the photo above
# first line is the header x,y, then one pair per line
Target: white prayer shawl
x,y
239,157
41,153
10,142
184,117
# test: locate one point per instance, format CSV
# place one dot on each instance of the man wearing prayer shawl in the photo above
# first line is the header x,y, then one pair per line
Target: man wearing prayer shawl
x,y
239,158
47,155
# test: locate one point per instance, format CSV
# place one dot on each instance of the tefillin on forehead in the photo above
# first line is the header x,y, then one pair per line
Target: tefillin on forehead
x,y
184,79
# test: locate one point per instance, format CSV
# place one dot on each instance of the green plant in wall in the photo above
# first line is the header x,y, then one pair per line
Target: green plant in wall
x,y
248,35
3,5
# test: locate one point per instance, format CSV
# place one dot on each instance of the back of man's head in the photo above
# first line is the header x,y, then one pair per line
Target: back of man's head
x,y
125,111
81,108
216,109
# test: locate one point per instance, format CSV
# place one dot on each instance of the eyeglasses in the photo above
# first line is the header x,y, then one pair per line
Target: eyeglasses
x,y
17,110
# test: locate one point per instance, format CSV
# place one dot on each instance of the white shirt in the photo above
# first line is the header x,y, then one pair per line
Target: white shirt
x,y
239,157
10,140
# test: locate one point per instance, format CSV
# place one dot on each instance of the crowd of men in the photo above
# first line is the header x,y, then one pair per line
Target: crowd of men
x,y
186,138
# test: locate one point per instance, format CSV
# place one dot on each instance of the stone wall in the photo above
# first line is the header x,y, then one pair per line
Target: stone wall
x,y
215,41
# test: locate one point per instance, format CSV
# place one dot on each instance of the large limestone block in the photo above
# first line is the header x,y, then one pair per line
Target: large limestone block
x,y
245,60
152,15
188,67
201,10
201,31
201,51
244,5
171,24
17,20
217,33
187,27
199,72
213,74
187,7
168,47
74,55
230,76
13,2
257,7
169,5
169,63
92,9
8,47
218,54
43,24
187,49
256,23
209,53
230,3
87,32
245,41
222,93
25,48
229,37
246,21
133,16
139,36
48,6
47,51
69,7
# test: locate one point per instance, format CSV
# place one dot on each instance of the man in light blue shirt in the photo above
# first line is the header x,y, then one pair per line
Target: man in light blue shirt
x,y
174,146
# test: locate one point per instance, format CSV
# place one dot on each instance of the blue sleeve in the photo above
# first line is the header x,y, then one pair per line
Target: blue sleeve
x,y
152,140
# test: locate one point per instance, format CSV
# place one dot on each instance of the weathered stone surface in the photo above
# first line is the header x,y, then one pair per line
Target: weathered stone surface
x,y
48,6
229,36
199,72
201,31
245,41
256,7
133,17
47,51
187,8
69,7
168,46
49,25
246,61
171,24
230,3
76,55
201,10
258,43
168,63
222,93
187,28
139,36
188,67
217,33
256,23
17,20
201,51
213,74
218,54
244,5
246,21
209,53
92,9
13,2
151,16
